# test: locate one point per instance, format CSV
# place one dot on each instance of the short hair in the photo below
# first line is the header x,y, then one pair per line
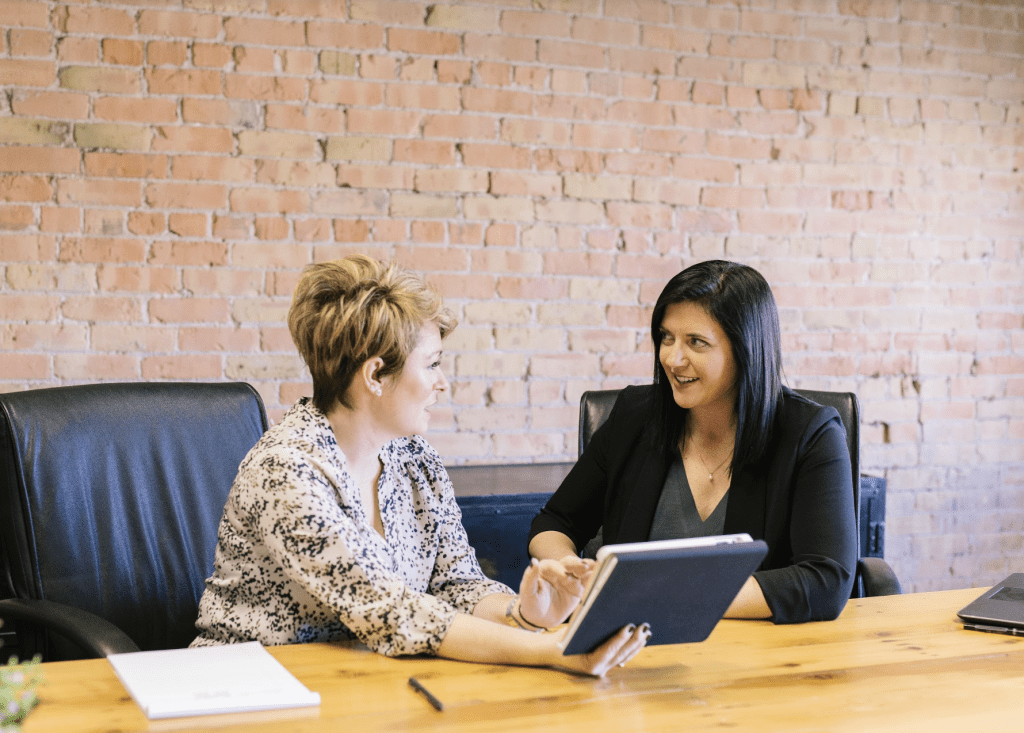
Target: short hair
x,y
347,311
739,299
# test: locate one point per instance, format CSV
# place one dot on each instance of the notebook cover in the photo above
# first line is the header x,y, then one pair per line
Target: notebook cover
x,y
231,678
682,593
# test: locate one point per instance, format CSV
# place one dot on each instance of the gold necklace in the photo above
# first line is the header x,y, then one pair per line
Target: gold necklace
x,y
711,474
700,457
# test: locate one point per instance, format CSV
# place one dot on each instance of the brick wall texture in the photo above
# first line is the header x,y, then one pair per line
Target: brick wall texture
x,y
167,167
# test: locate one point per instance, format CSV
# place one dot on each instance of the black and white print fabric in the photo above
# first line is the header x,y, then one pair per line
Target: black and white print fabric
x,y
298,559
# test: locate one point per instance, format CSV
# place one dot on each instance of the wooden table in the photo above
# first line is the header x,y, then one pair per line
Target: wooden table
x,y
900,663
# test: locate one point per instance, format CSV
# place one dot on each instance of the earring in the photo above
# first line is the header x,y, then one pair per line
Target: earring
x,y
376,391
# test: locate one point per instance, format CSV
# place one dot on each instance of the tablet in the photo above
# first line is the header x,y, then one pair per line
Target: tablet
x,y
681,588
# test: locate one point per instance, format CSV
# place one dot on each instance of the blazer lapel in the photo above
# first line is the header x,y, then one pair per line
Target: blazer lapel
x,y
643,500
747,496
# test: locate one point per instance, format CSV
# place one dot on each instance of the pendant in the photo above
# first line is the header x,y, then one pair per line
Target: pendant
x,y
711,477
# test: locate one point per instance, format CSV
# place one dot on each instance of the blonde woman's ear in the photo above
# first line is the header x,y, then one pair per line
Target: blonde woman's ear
x,y
369,374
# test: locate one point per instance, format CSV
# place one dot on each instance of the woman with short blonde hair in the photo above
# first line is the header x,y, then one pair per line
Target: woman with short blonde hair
x,y
342,521
347,311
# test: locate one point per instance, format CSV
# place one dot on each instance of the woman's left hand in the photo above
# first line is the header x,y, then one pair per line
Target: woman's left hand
x,y
549,592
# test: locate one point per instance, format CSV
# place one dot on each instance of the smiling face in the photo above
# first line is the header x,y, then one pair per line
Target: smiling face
x,y
697,358
407,396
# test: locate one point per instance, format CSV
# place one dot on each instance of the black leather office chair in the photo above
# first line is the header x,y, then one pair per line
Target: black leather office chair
x,y
874,576
110,497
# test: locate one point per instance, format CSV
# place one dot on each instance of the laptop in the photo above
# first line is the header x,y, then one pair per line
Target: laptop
x,y
999,610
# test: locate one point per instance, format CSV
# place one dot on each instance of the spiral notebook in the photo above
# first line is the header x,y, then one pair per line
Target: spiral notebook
x,y
232,678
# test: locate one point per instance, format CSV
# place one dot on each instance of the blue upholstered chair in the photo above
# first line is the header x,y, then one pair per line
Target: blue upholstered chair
x,y
110,497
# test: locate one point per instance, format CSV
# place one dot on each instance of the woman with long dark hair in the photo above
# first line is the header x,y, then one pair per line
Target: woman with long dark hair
x,y
717,445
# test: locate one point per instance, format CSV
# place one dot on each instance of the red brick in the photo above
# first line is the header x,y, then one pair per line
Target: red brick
x,y
322,34
183,81
495,156
430,232
78,50
16,218
188,310
346,92
186,195
146,280
500,47
222,281
497,101
146,222
26,13
251,254
271,228
522,23
422,96
258,30
24,366
294,173
218,339
212,55
25,159
89,78
612,137
189,253
166,53
306,8
101,308
212,168
28,103
388,122
425,152
433,43
268,200
122,51
123,109
293,117
254,60
89,20
277,88
231,113
460,126
30,43
232,227
185,366
193,140
107,193
188,225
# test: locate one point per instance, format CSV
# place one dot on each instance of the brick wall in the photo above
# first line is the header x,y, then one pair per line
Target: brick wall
x,y
168,166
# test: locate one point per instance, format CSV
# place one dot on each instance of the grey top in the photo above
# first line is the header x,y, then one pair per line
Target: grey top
x,y
676,516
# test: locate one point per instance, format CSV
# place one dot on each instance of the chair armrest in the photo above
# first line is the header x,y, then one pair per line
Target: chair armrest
x,y
878,578
96,636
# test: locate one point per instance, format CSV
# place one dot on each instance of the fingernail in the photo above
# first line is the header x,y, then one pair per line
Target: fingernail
x,y
645,627
622,664
631,628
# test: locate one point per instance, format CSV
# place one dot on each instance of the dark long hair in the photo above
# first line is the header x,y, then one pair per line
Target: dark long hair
x,y
740,301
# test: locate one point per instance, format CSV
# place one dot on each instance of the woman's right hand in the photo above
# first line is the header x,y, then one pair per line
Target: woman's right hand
x,y
615,652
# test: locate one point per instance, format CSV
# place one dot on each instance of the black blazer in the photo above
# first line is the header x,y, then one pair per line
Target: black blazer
x,y
798,499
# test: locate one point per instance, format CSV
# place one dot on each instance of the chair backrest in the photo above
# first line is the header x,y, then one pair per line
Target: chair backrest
x,y
596,405
111,494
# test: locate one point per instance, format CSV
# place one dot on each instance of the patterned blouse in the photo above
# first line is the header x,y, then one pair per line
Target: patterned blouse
x,y
298,559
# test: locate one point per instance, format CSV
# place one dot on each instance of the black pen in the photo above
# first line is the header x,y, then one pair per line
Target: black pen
x,y
415,684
